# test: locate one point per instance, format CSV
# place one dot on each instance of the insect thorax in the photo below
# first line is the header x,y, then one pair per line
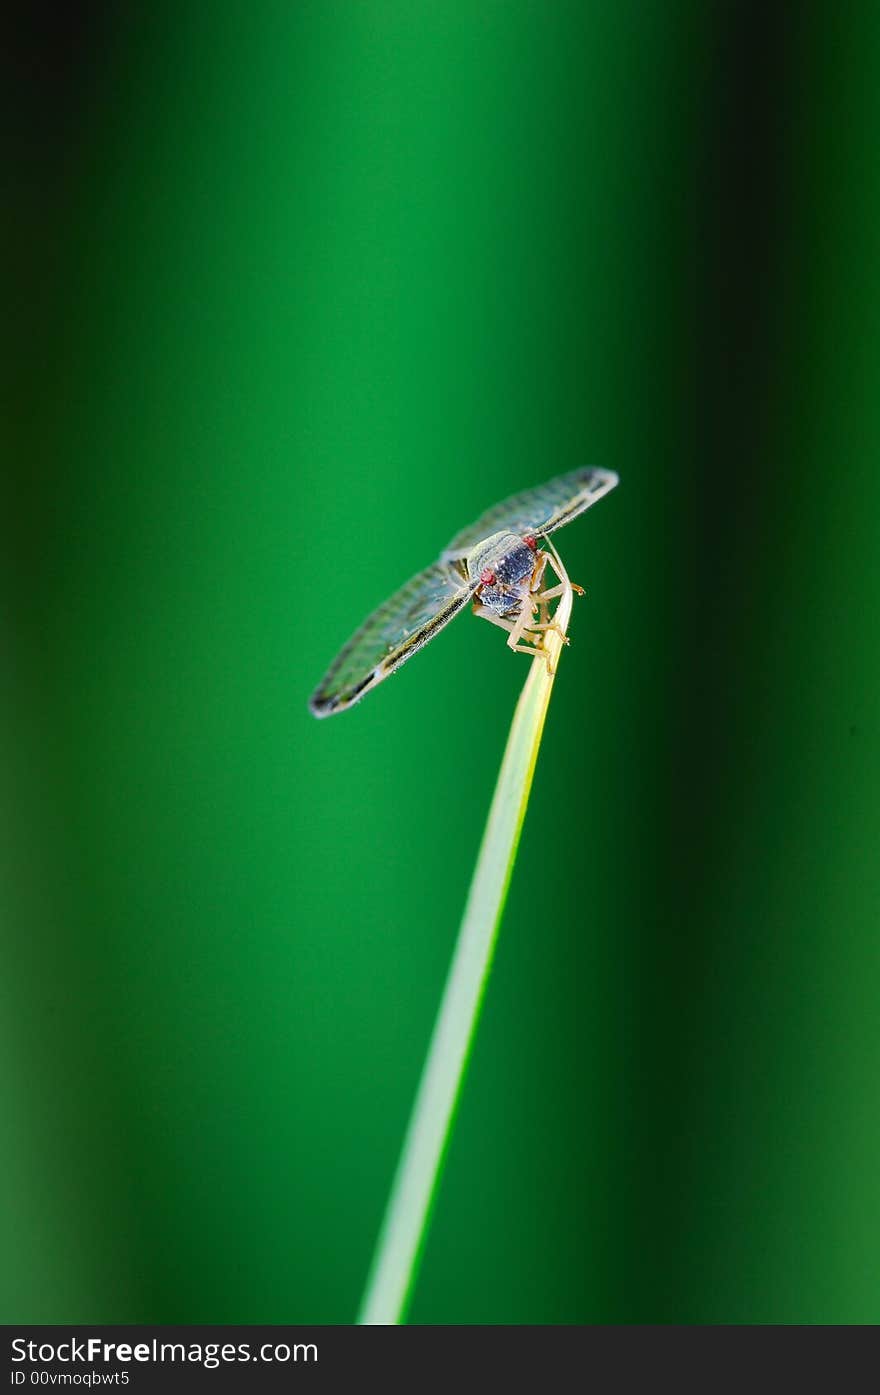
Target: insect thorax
x,y
512,563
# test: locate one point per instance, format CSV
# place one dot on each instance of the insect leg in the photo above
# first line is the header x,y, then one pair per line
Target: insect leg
x,y
523,628
556,565
551,594
559,591
512,626
546,625
519,629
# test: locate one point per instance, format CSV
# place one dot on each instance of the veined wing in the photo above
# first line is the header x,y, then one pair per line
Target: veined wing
x,y
391,635
538,511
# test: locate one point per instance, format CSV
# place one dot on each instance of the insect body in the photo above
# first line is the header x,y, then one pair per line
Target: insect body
x,y
502,563
496,564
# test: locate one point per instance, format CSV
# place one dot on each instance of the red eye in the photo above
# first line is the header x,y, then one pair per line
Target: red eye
x,y
531,541
487,576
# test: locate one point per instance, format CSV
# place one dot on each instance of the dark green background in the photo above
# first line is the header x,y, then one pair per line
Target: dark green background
x,y
296,291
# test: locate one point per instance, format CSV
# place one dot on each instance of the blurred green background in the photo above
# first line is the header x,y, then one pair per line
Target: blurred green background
x,y
294,292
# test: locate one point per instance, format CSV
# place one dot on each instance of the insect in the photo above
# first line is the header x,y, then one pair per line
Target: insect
x,y
495,564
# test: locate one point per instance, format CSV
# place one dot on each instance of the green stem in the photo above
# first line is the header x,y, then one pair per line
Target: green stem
x,y
402,1236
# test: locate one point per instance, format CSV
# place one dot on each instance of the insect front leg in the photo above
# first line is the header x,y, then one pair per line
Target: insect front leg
x,y
552,593
518,630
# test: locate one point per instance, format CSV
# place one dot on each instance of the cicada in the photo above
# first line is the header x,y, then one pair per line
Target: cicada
x,y
496,565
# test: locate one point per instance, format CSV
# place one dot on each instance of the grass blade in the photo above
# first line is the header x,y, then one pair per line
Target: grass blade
x,y
402,1236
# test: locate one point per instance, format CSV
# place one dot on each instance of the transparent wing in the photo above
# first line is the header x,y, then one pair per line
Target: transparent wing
x,y
391,635
539,511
